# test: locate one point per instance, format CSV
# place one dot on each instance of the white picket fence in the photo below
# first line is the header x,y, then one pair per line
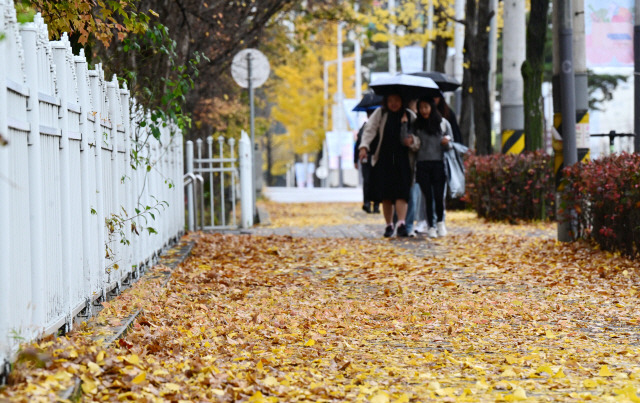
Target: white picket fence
x,y
67,168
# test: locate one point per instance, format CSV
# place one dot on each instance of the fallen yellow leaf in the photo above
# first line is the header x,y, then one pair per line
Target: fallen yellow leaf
x,y
309,343
140,378
380,397
604,371
89,386
270,381
132,359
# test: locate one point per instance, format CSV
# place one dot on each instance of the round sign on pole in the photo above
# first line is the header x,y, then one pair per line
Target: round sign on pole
x,y
259,68
322,172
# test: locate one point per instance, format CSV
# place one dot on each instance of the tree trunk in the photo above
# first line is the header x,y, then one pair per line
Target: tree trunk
x,y
532,74
466,113
440,51
478,18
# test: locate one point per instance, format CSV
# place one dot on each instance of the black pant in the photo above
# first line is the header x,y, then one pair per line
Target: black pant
x,y
431,177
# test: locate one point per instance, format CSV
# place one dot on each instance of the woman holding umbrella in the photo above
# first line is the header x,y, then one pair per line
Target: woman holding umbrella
x,y
391,157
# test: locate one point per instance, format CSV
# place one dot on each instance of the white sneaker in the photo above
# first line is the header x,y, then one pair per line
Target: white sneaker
x,y
442,230
421,227
412,234
431,232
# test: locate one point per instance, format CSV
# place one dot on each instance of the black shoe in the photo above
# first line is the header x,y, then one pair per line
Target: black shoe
x,y
402,231
388,231
367,208
376,209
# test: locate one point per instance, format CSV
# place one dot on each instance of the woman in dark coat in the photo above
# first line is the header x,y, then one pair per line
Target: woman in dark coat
x,y
370,185
391,159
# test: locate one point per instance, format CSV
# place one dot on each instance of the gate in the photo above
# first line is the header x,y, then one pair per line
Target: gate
x,y
213,184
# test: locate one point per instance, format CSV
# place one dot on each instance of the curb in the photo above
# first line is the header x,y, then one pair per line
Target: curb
x,y
170,259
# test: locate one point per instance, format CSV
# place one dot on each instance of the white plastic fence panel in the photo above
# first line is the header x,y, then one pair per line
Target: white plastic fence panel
x,y
67,168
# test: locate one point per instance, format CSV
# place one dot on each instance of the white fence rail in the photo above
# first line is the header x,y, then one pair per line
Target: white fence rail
x,y
214,185
65,169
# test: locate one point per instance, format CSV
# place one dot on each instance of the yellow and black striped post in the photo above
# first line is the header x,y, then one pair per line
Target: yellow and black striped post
x,y
584,154
512,141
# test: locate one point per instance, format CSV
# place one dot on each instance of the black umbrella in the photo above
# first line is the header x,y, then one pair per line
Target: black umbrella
x,y
408,86
444,81
369,101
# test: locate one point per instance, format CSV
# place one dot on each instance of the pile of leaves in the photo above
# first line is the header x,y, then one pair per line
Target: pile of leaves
x,y
604,196
490,314
511,187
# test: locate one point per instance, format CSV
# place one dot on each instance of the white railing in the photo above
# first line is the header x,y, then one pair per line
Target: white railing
x,y
65,170
217,171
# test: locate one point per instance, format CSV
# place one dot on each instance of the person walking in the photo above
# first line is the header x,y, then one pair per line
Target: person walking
x,y
448,113
391,157
370,187
435,136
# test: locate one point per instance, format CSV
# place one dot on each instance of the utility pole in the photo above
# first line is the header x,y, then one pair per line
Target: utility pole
x,y
428,56
339,123
581,81
564,104
513,55
493,57
339,91
357,54
392,46
636,79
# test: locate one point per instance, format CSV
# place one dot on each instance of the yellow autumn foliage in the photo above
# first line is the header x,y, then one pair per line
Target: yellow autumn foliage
x,y
298,96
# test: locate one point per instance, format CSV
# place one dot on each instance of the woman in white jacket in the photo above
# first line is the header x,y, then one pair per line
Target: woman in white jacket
x,y
391,159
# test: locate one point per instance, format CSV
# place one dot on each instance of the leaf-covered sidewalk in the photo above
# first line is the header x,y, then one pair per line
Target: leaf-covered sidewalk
x,y
491,312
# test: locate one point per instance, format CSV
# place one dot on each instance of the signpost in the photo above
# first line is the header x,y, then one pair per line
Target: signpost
x,y
250,69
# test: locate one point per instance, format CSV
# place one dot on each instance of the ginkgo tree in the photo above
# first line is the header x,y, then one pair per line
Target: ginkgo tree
x,y
408,25
298,95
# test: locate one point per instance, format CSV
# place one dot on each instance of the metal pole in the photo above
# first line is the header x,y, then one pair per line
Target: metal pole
x,y
253,138
567,84
563,26
512,108
429,53
190,210
392,47
581,81
493,58
636,79
339,94
357,54
325,77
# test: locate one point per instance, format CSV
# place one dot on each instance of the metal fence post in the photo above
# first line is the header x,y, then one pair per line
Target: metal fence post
x,y
190,210
246,179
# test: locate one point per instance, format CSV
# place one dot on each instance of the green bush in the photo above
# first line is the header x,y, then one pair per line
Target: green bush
x,y
511,187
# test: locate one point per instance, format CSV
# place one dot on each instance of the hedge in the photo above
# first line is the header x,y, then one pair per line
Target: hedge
x,y
604,195
511,187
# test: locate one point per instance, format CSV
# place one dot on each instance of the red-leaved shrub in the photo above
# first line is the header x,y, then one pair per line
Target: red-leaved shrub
x,y
604,197
511,187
